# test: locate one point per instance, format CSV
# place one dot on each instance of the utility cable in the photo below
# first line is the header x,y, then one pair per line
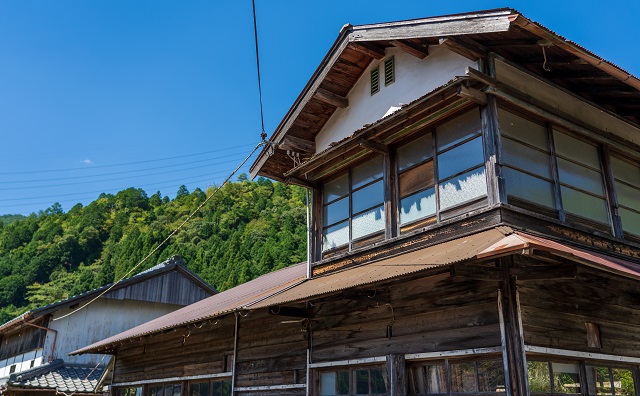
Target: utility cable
x,y
263,134
168,237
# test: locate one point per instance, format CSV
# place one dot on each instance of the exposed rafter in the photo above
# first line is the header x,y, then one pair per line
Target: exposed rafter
x,y
368,49
411,48
331,98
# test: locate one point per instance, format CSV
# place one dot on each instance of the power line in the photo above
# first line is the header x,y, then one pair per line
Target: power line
x,y
263,134
125,163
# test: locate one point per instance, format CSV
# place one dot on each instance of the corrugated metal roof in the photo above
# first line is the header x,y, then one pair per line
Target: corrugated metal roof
x,y
520,240
433,256
216,305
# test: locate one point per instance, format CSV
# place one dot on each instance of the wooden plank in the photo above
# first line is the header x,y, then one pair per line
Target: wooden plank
x,y
582,355
370,50
410,48
473,95
373,146
298,144
331,98
467,48
397,375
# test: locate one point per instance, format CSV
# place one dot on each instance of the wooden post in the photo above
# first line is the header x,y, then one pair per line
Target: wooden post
x,y
397,375
492,152
513,337
234,364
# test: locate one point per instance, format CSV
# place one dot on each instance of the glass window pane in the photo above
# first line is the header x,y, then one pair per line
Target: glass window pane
x,y
566,378
418,206
523,129
437,378
416,179
467,186
177,390
463,378
458,129
334,212
335,236
628,196
575,149
168,390
539,377
417,380
598,381
343,383
526,158
368,222
378,384
491,376
623,382
625,171
328,384
414,152
580,177
367,172
584,205
460,158
529,188
226,387
362,382
336,188
630,220
368,196
216,388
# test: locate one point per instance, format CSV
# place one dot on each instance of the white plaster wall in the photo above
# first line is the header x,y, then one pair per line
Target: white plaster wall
x,y
22,362
102,319
414,78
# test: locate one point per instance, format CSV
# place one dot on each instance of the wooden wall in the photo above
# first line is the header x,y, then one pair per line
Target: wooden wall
x,y
25,340
554,313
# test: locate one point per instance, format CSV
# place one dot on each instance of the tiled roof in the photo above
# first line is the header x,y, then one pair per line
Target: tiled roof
x,y
59,376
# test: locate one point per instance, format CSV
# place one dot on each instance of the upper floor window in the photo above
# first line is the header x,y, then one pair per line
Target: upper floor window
x,y
626,175
535,178
354,381
456,377
353,205
428,184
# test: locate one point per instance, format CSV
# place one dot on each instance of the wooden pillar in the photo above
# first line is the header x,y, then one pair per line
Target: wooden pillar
x,y
514,357
234,364
492,151
397,375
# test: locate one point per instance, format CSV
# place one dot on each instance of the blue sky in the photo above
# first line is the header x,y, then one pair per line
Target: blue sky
x,y
97,96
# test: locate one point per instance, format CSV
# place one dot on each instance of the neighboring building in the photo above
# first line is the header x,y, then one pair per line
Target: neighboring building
x,y
474,230
34,347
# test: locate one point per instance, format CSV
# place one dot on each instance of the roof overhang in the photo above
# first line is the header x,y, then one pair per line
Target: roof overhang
x,y
474,35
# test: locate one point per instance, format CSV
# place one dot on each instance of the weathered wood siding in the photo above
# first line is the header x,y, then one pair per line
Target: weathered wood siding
x,y
554,313
165,355
25,340
435,313
169,288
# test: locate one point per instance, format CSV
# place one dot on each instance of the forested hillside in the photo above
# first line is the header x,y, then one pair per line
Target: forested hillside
x,y
247,229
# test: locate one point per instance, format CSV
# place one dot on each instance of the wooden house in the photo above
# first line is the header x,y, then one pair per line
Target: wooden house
x,y
34,347
474,229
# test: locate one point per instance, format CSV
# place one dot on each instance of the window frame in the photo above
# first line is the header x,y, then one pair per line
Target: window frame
x,y
351,369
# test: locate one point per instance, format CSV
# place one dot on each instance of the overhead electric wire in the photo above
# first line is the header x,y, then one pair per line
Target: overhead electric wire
x,y
263,134
125,163
175,231
125,172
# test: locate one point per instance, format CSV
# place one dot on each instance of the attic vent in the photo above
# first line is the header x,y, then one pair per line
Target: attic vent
x,y
389,71
375,80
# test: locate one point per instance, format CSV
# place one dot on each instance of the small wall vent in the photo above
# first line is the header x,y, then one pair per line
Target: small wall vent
x,y
375,80
389,71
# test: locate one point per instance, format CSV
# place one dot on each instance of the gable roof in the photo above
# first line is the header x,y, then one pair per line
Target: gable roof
x,y
174,263
502,31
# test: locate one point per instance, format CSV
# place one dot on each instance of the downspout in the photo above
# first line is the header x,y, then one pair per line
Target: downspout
x,y
55,337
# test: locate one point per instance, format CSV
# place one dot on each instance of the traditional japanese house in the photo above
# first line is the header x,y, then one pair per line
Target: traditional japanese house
x,y
474,229
34,347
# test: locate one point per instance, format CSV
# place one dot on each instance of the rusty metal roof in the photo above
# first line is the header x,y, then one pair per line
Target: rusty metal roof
x,y
519,241
216,305
433,256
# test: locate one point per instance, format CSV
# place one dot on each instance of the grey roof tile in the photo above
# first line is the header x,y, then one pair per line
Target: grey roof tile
x,y
59,376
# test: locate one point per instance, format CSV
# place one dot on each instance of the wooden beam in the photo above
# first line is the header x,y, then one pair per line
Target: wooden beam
x,y
299,145
397,375
544,272
467,48
472,94
369,50
300,182
291,311
331,98
411,48
373,146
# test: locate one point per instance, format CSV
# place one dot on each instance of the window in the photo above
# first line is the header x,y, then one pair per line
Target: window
x,y
429,184
12,369
609,381
626,177
531,181
353,205
215,387
457,377
129,391
165,390
354,381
